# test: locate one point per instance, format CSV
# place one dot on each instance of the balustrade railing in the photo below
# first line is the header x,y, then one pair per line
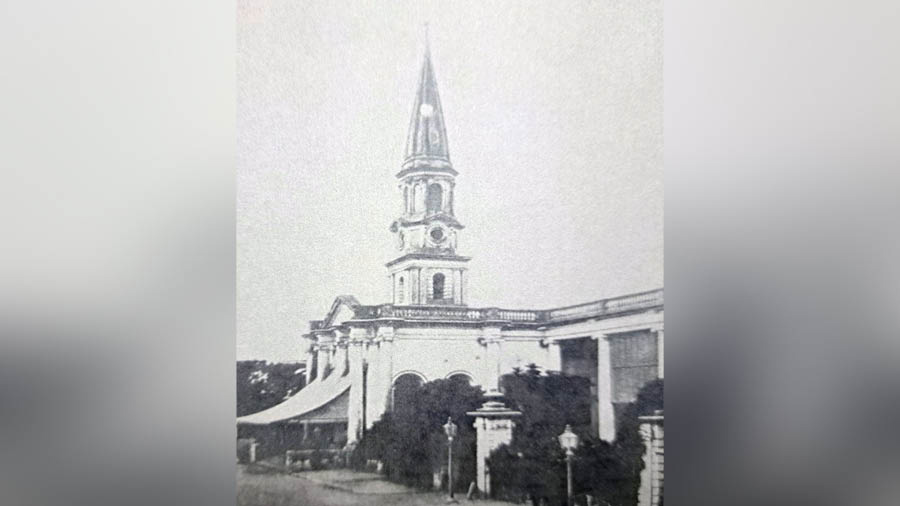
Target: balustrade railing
x,y
607,306
596,308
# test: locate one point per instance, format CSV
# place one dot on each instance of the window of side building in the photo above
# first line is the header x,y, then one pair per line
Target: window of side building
x,y
633,363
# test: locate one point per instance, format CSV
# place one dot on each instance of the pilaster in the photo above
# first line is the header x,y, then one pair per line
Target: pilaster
x,y
381,371
355,409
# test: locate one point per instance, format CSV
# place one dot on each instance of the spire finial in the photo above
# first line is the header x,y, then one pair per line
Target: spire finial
x,y
427,41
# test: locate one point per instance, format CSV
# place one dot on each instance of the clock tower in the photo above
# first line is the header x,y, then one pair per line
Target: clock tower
x,y
428,270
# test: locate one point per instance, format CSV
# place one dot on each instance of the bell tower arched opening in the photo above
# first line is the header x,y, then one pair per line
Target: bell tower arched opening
x,y
437,286
434,198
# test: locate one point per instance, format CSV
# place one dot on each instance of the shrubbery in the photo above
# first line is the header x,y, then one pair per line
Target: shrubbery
x,y
410,440
261,384
533,466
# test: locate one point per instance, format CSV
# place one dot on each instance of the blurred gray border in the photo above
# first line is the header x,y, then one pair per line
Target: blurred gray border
x,y
118,348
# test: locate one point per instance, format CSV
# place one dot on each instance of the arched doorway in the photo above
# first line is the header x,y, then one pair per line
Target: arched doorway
x,y
404,388
461,376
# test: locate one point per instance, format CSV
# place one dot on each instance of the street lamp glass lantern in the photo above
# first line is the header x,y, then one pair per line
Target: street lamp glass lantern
x,y
568,440
450,428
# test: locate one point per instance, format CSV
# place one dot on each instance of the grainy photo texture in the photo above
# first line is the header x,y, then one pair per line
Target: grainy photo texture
x,y
449,231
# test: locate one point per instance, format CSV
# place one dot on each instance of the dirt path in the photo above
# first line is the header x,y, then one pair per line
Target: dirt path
x,y
337,488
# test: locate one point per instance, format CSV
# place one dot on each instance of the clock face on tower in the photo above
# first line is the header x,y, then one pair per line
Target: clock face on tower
x,y
437,234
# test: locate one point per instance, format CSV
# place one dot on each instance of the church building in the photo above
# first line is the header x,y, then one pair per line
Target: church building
x,y
361,357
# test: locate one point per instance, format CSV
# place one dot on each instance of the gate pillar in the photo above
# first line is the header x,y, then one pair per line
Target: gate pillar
x,y
494,427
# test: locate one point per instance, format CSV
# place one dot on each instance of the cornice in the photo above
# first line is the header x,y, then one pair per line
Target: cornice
x,y
427,256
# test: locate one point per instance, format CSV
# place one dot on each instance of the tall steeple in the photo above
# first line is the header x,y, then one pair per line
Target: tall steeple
x,y
428,270
426,142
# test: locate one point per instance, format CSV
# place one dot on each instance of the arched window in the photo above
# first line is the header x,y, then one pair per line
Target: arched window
x,y
437,285
406,199
400,291
434,198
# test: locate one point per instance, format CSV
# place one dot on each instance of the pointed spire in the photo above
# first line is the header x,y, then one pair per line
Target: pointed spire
x,y
426,143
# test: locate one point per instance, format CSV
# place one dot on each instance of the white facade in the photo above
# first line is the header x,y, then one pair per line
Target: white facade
x,y
429,332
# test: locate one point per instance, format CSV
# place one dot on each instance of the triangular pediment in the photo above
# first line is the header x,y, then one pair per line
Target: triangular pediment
x,y
342,309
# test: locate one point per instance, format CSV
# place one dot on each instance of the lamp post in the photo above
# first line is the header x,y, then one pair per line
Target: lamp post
x,y
450,430
568,440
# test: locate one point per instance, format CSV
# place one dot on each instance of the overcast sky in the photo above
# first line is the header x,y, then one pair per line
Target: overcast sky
x,y
554,119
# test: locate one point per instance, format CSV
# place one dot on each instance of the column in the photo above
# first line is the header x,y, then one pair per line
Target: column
x,y
450,199
605,413
445,196
355,409
308,357
554,355
457,286
660,350
321,360
344,360
381,372
424,285
493,352
420,197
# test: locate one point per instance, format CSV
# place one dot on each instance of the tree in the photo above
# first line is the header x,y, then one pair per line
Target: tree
x,y
533,465
412,435
261,384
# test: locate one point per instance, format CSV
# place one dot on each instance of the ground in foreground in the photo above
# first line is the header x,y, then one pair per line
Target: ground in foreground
x,y
327,488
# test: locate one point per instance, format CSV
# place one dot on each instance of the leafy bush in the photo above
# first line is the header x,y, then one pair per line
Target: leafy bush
x,y
534,467
410,440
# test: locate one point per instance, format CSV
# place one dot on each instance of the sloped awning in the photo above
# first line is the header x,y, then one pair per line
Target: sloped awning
x,y
334,411
327,394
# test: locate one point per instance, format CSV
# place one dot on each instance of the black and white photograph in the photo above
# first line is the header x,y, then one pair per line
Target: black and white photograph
x,y
449,270
429,252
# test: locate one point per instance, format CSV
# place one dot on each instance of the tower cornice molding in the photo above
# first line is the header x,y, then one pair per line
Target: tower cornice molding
x,y
427,256
426,167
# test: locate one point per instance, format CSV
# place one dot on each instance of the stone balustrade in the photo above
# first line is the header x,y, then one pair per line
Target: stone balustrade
x,y
604,307
638,301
